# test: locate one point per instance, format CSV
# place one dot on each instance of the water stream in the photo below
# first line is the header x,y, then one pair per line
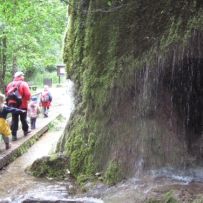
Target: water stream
x,y
15,183
142,189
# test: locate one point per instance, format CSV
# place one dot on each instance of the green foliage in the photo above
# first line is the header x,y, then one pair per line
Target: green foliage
x,y
34,31
39,77
113,173
167,198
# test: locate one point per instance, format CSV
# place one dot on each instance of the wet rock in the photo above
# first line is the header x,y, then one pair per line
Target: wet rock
x,y
72,189
7,200
68,172
101,178
98,174
50,167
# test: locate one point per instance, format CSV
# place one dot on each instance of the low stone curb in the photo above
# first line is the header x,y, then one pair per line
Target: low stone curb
x,y
24,144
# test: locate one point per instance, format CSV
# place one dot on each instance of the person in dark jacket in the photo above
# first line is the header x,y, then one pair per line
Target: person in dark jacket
x,y
4,126
24,92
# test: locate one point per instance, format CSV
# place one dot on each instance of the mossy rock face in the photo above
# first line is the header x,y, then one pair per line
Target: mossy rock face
x,y
113,173
174,196
129,61
166,198
50,167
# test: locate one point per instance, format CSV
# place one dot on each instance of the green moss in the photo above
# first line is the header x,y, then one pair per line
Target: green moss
x,y
113,173
166,198
169,198
82,179
103,52
24,147
55,125
79,148
51,167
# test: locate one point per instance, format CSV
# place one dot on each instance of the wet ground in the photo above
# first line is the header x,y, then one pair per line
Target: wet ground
x,y
14,182
16,185
148,188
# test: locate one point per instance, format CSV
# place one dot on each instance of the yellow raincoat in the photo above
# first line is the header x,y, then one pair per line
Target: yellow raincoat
x,y
4,127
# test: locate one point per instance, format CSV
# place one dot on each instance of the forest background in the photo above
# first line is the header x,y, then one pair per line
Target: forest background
x,y
31,36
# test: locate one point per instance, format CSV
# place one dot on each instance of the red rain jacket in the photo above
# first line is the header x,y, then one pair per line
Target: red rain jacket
x,y
46,104
23,89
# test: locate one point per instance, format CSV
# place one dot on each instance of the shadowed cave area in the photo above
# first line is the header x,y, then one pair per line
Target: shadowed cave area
x,y
186,87
187,91
161,113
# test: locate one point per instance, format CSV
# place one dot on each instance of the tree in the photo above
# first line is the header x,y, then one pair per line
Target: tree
x,y
30,34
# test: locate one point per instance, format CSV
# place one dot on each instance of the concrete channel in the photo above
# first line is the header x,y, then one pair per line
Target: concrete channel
x,y
20,146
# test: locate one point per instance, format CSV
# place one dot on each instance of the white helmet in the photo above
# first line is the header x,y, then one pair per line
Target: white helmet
x,y
18,74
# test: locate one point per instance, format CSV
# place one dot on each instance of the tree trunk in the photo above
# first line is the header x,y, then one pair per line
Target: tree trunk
x,y
3,62
14,66
4,57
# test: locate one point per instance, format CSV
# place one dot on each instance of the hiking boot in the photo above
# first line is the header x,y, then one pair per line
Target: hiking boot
x,y
14,138
8,146
27,132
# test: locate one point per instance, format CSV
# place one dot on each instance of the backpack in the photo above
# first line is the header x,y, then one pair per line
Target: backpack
x,y
45,97
14,99
33,110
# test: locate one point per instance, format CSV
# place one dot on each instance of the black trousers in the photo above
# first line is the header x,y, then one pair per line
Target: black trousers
x,y
33,123
15,120
6,139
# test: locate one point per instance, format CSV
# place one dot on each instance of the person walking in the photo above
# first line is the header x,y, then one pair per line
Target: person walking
x,y
45,100
19,93
5,130
33,112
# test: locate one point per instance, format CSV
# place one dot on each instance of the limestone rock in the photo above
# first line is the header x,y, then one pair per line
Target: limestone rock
x,y
50,167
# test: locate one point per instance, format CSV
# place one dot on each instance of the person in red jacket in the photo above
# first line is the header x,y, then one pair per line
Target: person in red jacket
x,y
24,92
45,100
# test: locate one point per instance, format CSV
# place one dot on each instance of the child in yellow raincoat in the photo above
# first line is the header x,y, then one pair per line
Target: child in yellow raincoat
x,y
4,126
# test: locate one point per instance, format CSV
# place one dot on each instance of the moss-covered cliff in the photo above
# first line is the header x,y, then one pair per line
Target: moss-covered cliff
x,y
137,68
